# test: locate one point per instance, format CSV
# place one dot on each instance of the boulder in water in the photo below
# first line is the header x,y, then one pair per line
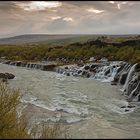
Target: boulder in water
x,y
86,67
126,110
68,74
10,76
129,106
3,76
79,71
7,76
88,75
83,73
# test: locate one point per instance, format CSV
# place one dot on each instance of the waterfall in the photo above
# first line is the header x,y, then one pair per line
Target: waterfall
x,y
15,64
123,71
27,66
129,77
34,66
135,92
107,73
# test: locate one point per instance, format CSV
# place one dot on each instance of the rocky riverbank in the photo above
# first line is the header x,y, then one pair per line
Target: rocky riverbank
x,y
5,76
30,65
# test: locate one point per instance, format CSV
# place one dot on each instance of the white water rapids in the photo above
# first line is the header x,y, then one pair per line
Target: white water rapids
x,y
91,108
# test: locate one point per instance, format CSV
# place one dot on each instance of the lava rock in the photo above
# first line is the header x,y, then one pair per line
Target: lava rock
x,y
88,75
126,110
7,76
86,67
10,76
93,66
123,107
79,71
3,76
68,74
48,67
139,98
107,72
123,78
18,63
121,67
131,106
83,73
116,78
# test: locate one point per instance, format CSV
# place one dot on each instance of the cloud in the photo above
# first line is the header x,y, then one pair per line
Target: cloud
x,y
55,18
38,5
69,17
95,11
112,2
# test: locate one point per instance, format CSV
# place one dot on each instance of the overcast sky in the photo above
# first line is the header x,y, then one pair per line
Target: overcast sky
x,y
71,17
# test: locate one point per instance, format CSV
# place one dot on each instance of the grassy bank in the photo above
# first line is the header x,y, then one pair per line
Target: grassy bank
x,y
71,52
14,127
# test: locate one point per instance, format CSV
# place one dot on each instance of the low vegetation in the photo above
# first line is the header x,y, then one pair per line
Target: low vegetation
x,y
12,126
76,51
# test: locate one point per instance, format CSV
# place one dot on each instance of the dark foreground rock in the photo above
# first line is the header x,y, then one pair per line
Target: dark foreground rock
x,y
10,76
6,76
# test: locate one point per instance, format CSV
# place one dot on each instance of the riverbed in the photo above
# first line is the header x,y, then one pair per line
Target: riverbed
x,y
91,108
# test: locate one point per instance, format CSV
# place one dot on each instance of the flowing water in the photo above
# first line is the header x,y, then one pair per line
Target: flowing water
x,y
91,108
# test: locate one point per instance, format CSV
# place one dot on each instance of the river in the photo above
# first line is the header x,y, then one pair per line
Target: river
x,y
91,108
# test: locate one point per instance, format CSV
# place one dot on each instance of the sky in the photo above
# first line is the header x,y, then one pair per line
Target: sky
x,y
69,17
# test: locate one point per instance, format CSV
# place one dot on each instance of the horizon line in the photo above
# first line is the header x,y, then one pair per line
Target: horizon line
x,y
67,34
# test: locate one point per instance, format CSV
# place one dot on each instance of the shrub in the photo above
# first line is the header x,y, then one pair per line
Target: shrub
x,y
14,127
10,127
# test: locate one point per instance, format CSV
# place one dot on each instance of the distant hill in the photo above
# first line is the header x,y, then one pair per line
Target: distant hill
x,y
53,39
32,38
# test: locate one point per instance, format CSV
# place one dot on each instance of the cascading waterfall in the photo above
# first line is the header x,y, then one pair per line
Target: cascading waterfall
x,y
135,92
125,70
27,66
128,79
107,73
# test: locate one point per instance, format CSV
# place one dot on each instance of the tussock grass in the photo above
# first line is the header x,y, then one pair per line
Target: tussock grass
x,y
14,127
